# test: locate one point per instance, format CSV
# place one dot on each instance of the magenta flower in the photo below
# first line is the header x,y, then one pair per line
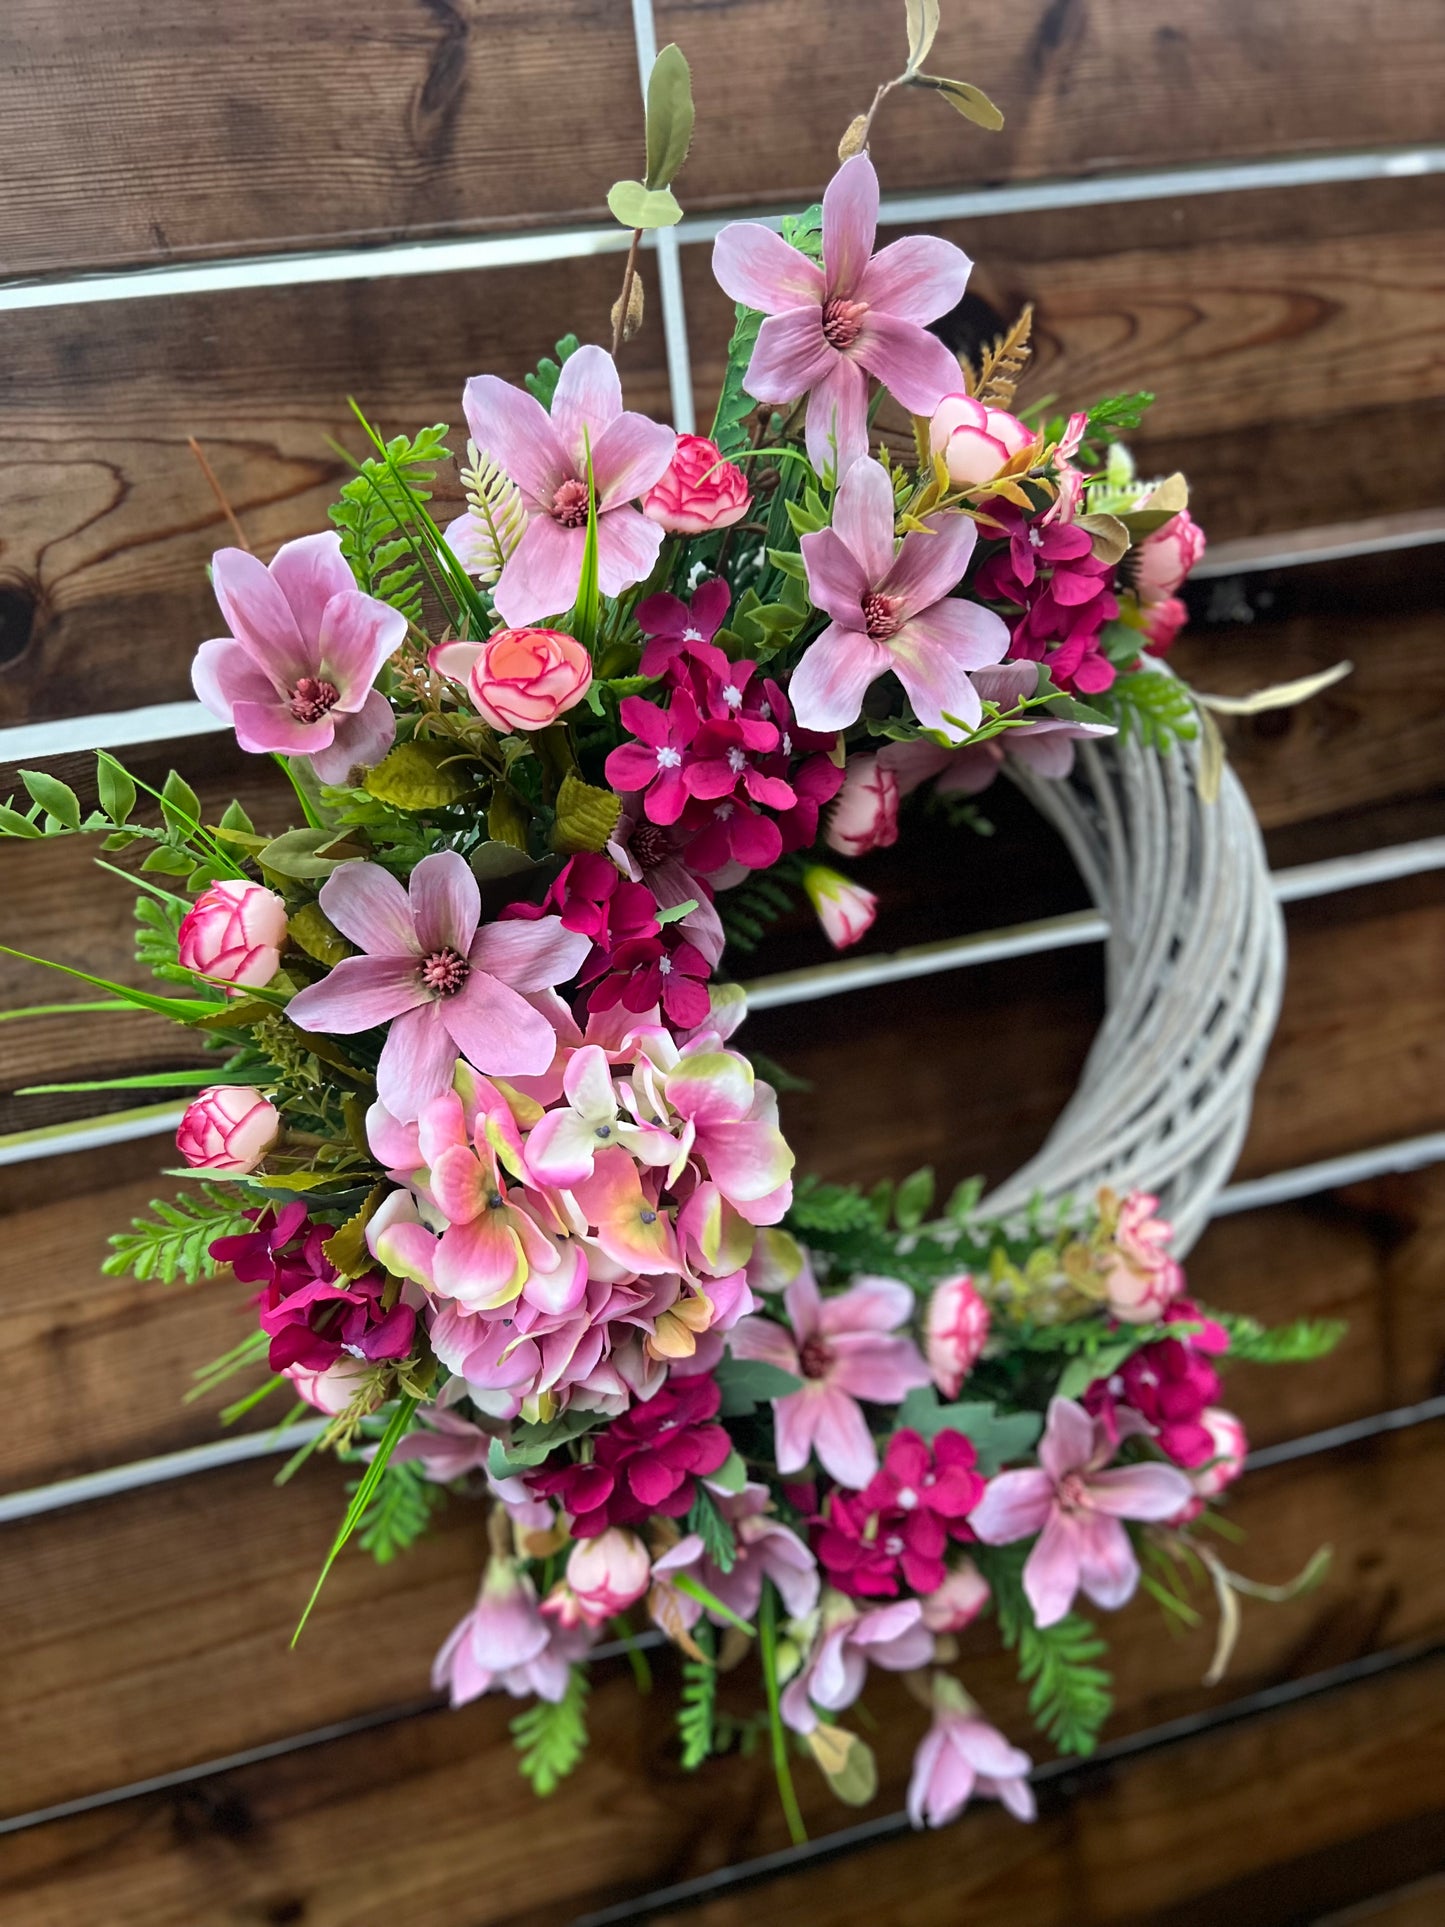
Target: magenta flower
x,y
892,611
445,986
961,1755
843,1348
849,1640
653,765
902,1520
295,675
859,314
546,456
675,628
1077,1509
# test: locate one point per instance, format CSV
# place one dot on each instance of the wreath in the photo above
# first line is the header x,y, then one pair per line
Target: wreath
x,y
520,1212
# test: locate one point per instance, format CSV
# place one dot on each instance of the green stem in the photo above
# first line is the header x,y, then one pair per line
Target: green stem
x,y
636,1658
768,1655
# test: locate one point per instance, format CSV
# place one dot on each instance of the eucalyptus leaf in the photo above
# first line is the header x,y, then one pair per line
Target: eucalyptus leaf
x,y
638,206
670,116
972,102
922,27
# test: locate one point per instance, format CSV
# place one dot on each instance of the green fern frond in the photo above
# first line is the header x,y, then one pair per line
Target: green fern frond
x,y
1294,1344
498,512
551,1736
1070,1696
374,515
400,1510
174,1244
1155,707
718,1538
697,1714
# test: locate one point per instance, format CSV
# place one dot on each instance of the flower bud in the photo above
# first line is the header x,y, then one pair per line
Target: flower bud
x,y
845,909
975,441
954,1332
1162,623
234,932
865,815
229,1127
958,1601
608,1574
1141,1278
1164,558
699,491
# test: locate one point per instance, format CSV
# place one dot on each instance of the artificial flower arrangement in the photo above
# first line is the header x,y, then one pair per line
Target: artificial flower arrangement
x,y
520,1215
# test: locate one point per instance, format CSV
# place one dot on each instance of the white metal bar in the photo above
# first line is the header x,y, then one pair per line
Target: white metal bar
x,y
475,252
90,1134
112,729
1281,1187
1330,542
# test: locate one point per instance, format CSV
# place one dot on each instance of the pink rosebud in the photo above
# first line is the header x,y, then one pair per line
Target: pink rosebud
x,y
1164,558
518,679
865,815
229,1127
608,1574
333,1390
699,491
954,1332
974,440
958,1601
1141,1279
845,909
1162,623
234,931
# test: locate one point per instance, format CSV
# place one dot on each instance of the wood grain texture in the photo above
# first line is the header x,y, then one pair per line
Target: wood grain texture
x,y
158,1639
274,126
108,524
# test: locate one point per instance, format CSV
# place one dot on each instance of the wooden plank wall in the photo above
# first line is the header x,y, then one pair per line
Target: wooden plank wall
x,y
169,1759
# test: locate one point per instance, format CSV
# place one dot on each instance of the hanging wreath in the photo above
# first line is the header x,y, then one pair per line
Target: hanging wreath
x,y
521,1215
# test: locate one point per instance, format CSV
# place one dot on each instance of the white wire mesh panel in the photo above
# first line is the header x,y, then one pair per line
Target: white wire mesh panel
x,y
1195,969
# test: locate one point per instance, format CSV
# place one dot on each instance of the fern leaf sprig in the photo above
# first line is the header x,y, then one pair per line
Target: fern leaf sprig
x,y
551,1736
697,1714
175,1243
498,511
1001,367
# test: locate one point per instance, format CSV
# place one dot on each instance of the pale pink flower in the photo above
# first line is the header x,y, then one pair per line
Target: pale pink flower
x,y
962,1755
859,314
229,1127
849,1640
605,1575
892,610
1044,742
764,1548
958,1601
505,1642
446,986
295,675
1141,1276
730,1126
234,932
333,1390
955,1328
546,456
444,1444
864,815
975,440
844,908
844,1347
1163,559
1077,1509
518,679
699,491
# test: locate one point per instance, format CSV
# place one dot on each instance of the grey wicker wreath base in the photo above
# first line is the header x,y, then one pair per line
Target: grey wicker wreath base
x,y
1195,969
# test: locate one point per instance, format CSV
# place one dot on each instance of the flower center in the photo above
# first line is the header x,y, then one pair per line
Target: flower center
x,y
1073,1493
733,696
569,504
893,1545
649,845
737,762
312,698
664,966
692,635
1036,538
603,1131
907,1497
669,758
445,971
723,812
842,321
815,1357
882,616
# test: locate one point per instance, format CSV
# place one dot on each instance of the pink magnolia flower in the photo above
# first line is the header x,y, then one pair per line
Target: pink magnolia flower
x,y
955,1328
844,908
547,456
1163,559
958,1601
892,611
962,1755
504,1641
859,314
233,931
229,1127
698,491
848,1641
975,440
864,815
445,986
764,1548
844,1347
295,675
1077,1509
518,679
445,1445
605,1576
1141,1276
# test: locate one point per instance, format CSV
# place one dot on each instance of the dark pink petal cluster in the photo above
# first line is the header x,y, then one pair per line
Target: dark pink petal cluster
x,y
647,1461
1171,1386
1065,593
901,1523
312,1315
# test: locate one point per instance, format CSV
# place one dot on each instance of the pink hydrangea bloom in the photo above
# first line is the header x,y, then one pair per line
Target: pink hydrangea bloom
x,y
849,1640
295,675
859,314
445,984
505,1642
546,456
892,610
844,1347
1077,1508
961,1755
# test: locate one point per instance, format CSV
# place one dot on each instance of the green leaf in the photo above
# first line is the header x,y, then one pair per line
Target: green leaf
x,y
305,856
997,1436
174,1242
830,1207
963,1200
637,206
914,1198
696,1715
180,805
184,1010
530,1444
543,384
587,611
718,1538
12,823
670,117
586,815
972,102
675,912
311,930
116,788
56,798
399,1511
746,1383
1303,1339
1071,1695
922,28
1150,704
399,1424
1080,1373
235,818
421,776
551,1736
